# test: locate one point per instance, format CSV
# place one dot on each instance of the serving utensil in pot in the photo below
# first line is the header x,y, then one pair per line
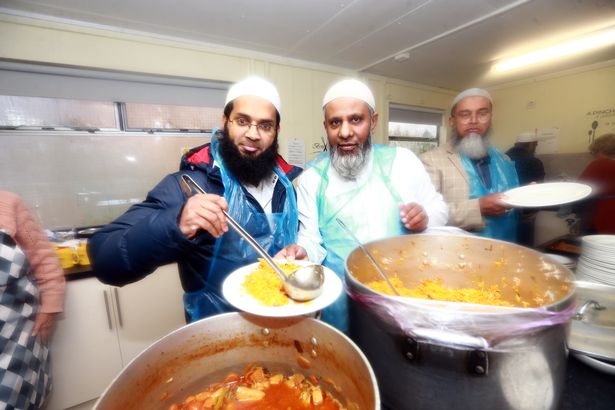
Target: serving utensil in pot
x,y
302,284
369,255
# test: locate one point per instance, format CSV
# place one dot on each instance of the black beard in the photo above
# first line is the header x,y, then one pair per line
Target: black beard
x,y
247,169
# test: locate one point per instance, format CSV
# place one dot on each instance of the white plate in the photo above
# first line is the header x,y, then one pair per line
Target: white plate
x,y
235,294
596,363
564,260
604,240
546,194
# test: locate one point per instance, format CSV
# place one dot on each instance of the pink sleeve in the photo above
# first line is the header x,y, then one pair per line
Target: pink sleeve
x,y
42,258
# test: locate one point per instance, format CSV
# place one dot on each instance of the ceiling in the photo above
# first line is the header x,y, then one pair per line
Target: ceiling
x,y
450,43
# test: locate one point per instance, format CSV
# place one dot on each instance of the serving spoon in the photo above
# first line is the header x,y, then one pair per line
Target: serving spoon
x,y
369,255
302,284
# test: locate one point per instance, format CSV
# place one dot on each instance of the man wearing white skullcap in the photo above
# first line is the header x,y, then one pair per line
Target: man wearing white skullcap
x,y
375,190
242,174
470,173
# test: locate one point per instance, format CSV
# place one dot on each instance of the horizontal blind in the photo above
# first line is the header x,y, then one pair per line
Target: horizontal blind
x,y
62,82
412,116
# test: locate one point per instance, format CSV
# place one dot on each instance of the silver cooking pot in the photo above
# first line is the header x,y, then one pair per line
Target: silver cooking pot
x,y
442,355
189,359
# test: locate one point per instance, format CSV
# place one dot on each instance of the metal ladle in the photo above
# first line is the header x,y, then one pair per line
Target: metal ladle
x,y
302,284
369,255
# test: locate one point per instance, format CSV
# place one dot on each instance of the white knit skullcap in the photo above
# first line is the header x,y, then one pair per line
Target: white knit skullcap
x,y
527,136
350,87
257,87
471,92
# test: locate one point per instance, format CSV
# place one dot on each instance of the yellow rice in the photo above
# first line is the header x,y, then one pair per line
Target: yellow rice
x,y
433,289
264,285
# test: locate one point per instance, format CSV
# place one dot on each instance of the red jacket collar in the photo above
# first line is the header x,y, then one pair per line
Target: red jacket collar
x,y
203,156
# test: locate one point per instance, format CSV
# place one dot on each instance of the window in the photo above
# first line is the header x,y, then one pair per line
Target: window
x,y
414,128
62,114
170,118
70,99
19,113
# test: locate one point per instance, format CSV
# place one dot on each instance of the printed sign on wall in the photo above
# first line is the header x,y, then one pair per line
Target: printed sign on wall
x,y
600,121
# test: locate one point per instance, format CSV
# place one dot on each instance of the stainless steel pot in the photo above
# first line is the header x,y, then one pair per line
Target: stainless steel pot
x,y
189,359
523,371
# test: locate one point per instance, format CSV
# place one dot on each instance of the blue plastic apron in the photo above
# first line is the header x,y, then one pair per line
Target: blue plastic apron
x,y
370,210
272,231
503,177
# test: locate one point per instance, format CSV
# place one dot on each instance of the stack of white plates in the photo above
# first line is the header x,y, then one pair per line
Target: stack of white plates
x,y
597,261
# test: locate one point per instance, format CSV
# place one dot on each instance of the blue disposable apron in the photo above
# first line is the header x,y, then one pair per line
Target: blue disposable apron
x,y
272,231
503,177
370,210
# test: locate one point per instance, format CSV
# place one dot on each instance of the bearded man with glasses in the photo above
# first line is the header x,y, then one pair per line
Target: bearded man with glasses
x,y
471,173
377,191
243,174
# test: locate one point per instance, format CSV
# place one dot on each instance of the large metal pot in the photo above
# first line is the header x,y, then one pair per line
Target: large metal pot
x,y
504,360
189,359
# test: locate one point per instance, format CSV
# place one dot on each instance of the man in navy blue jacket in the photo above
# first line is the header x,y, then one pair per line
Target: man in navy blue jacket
x,y
243,174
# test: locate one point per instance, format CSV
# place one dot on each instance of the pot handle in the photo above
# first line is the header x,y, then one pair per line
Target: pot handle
x,y
477,361
589,304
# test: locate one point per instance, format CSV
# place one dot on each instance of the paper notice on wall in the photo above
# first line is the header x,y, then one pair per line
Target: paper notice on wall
x,y
548,140
296,153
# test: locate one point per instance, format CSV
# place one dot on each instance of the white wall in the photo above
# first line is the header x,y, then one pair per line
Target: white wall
x,y
301,84
569,101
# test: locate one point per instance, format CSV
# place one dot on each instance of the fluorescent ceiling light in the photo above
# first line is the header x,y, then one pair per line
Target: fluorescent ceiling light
x,y
601,39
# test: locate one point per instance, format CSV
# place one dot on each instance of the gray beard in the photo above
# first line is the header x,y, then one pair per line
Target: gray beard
x,y
350,165
473,145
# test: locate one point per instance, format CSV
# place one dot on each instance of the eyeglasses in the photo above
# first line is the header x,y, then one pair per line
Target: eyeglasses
x,y
466,116
263,128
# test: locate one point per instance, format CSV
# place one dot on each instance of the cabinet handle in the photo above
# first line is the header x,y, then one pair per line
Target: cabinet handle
x,y
117,303
108,311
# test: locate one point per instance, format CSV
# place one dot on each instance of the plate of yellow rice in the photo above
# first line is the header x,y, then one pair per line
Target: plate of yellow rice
x,y
257,289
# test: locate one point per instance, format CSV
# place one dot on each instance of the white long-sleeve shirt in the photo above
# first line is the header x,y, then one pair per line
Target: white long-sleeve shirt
x,y
408,176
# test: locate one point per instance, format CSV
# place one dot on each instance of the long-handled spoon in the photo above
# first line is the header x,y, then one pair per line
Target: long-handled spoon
x,y
302,284
369,255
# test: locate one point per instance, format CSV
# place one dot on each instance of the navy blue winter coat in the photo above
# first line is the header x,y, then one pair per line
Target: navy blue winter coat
x,y
148,235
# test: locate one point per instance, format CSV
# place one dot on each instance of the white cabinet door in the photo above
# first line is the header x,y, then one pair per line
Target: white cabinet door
x,y
148,310
84,350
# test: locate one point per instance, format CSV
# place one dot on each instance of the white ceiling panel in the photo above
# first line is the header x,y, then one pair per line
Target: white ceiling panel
x,y
361,19
465,57
430,20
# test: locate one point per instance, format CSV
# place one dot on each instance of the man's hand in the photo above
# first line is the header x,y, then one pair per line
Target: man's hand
x,y
292,252
491,205
413,216
204,211
44,325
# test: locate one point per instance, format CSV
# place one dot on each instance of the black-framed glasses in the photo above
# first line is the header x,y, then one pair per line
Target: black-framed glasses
x,y
265,128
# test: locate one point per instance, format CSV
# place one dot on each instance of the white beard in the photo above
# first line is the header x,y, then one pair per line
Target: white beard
x,y
473,146
350,165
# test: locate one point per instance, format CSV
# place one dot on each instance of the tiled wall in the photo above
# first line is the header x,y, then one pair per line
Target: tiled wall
x,y
82,179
